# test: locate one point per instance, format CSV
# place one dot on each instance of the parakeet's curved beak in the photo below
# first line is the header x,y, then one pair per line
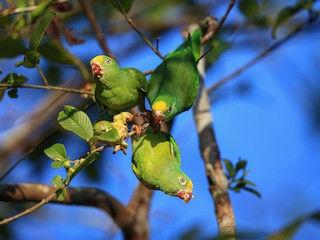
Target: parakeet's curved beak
x,y
159,117
96,69
185,194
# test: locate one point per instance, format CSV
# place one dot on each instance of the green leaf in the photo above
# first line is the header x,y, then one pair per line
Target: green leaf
x,y
41,8
241,164
249,8
56,53
229,167
31,59
102,126
61,194
126,5
255,192
288,231
111,136
283,16
76,121
13,93
14,78
57,152
72,172
14,47
57,181
39,31
248,182
57,164
235,189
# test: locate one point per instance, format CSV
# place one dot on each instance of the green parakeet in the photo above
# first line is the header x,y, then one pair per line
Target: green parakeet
x,y
156,163
173,85
118,88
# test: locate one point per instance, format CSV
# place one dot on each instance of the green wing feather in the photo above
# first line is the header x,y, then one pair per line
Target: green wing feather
x,y
119,89
176,80
156,161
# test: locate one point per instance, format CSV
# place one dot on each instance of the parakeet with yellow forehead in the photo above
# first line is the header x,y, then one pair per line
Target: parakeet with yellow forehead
x,y
156,163
173,86
118,89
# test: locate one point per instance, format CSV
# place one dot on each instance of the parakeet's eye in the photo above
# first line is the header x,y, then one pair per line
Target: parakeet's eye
x,y
108,61
170,109
182,180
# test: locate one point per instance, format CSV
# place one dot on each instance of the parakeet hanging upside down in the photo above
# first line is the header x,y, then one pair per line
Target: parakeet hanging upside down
x,y
156,163
119,89
173,85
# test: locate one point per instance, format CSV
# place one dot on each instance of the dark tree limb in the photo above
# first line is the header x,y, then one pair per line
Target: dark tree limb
x,y
217,180
35,192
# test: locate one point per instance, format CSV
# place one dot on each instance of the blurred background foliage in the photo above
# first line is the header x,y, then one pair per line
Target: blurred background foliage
x,y
70,42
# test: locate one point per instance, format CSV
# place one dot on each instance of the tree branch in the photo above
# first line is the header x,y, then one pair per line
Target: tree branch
x,y
47,87
131,23
86,6
34,192
217,27
224,17
218,183
262,54
23,195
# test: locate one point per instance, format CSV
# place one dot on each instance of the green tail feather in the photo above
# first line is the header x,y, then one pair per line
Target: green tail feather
x,y
193,41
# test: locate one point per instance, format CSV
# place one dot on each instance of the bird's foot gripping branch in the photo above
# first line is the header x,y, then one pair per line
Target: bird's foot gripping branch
x,y
155,155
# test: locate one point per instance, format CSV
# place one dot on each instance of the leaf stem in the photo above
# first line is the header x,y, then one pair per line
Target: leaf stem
x,y
45,80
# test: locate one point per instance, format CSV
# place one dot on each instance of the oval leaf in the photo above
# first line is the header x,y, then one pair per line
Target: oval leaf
x,y
241,164
61,194
57,152
55,52
76,121
39,31
110,136
57,181
14,47
249,8
284,15
57,164
229,167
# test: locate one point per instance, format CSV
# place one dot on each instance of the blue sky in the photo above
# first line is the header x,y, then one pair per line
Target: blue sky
x,y
269,126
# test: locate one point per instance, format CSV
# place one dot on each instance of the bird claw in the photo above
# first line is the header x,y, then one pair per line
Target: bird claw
x,y
137,129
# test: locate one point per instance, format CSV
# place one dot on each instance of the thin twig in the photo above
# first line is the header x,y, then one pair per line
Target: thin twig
x,y
148,72
26,154
45,80
145,39
31,209
86,6
261,55
213,27
49,87
224,17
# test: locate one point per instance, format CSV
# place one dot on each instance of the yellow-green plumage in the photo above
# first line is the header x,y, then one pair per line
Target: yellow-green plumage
x,y
156,163
118,88
173,85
